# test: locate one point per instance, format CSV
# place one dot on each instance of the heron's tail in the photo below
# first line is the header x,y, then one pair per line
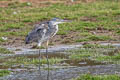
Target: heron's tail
x,y
27,41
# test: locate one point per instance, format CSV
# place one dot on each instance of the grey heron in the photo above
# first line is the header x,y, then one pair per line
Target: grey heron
x,y
44,32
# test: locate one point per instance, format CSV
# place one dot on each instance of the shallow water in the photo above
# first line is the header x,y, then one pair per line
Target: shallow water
x,y
82,63
65,70
64,73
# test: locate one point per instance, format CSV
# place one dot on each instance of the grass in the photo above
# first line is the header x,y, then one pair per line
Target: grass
x,y
97,46
86,17
44,61
99,38
115,58
28,61
98,77
1,40
17,4
94,38
80,56
96,52
4,73
5,51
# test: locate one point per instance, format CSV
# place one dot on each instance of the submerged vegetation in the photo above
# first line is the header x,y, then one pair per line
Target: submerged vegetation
x,y
28,61
89,54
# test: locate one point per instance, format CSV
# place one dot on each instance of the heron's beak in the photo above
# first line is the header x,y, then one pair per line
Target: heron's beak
x,y
64,21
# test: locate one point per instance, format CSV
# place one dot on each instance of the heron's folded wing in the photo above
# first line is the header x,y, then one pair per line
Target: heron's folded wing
x,y
37,33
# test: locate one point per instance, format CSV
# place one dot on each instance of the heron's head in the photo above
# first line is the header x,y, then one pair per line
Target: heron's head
x,y
56,21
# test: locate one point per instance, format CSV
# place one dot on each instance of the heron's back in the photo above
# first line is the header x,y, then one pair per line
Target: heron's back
x,y
41,33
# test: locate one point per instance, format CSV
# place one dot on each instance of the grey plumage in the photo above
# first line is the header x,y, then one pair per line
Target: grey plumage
x,y
44,31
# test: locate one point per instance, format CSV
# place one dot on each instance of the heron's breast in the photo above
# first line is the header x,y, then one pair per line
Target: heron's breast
x,y
51,32
55,30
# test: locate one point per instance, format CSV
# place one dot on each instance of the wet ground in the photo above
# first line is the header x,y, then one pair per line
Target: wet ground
x,y
64,70
65,73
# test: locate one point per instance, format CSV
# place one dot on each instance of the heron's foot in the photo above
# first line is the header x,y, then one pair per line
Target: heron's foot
x,y
38,47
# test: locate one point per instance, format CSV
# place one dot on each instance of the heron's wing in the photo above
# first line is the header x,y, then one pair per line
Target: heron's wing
x,y
37,33
41,25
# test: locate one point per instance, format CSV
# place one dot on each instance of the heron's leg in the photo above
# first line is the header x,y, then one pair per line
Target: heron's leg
x,y
47,51
47,58
39,62
39,44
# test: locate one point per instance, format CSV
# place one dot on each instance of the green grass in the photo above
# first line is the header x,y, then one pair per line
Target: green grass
x,y
5,51
80,56
114,58
99,38
4,73
44,61
94,38
98,77
27,61
1,40
105,15
96,52
97,46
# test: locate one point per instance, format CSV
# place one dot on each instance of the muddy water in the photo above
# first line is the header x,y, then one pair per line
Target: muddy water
x,y
82,63
60,71
51,55
64,74
52,49
65,70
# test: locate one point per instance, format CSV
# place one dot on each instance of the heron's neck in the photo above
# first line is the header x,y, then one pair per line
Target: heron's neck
x,y
52,25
